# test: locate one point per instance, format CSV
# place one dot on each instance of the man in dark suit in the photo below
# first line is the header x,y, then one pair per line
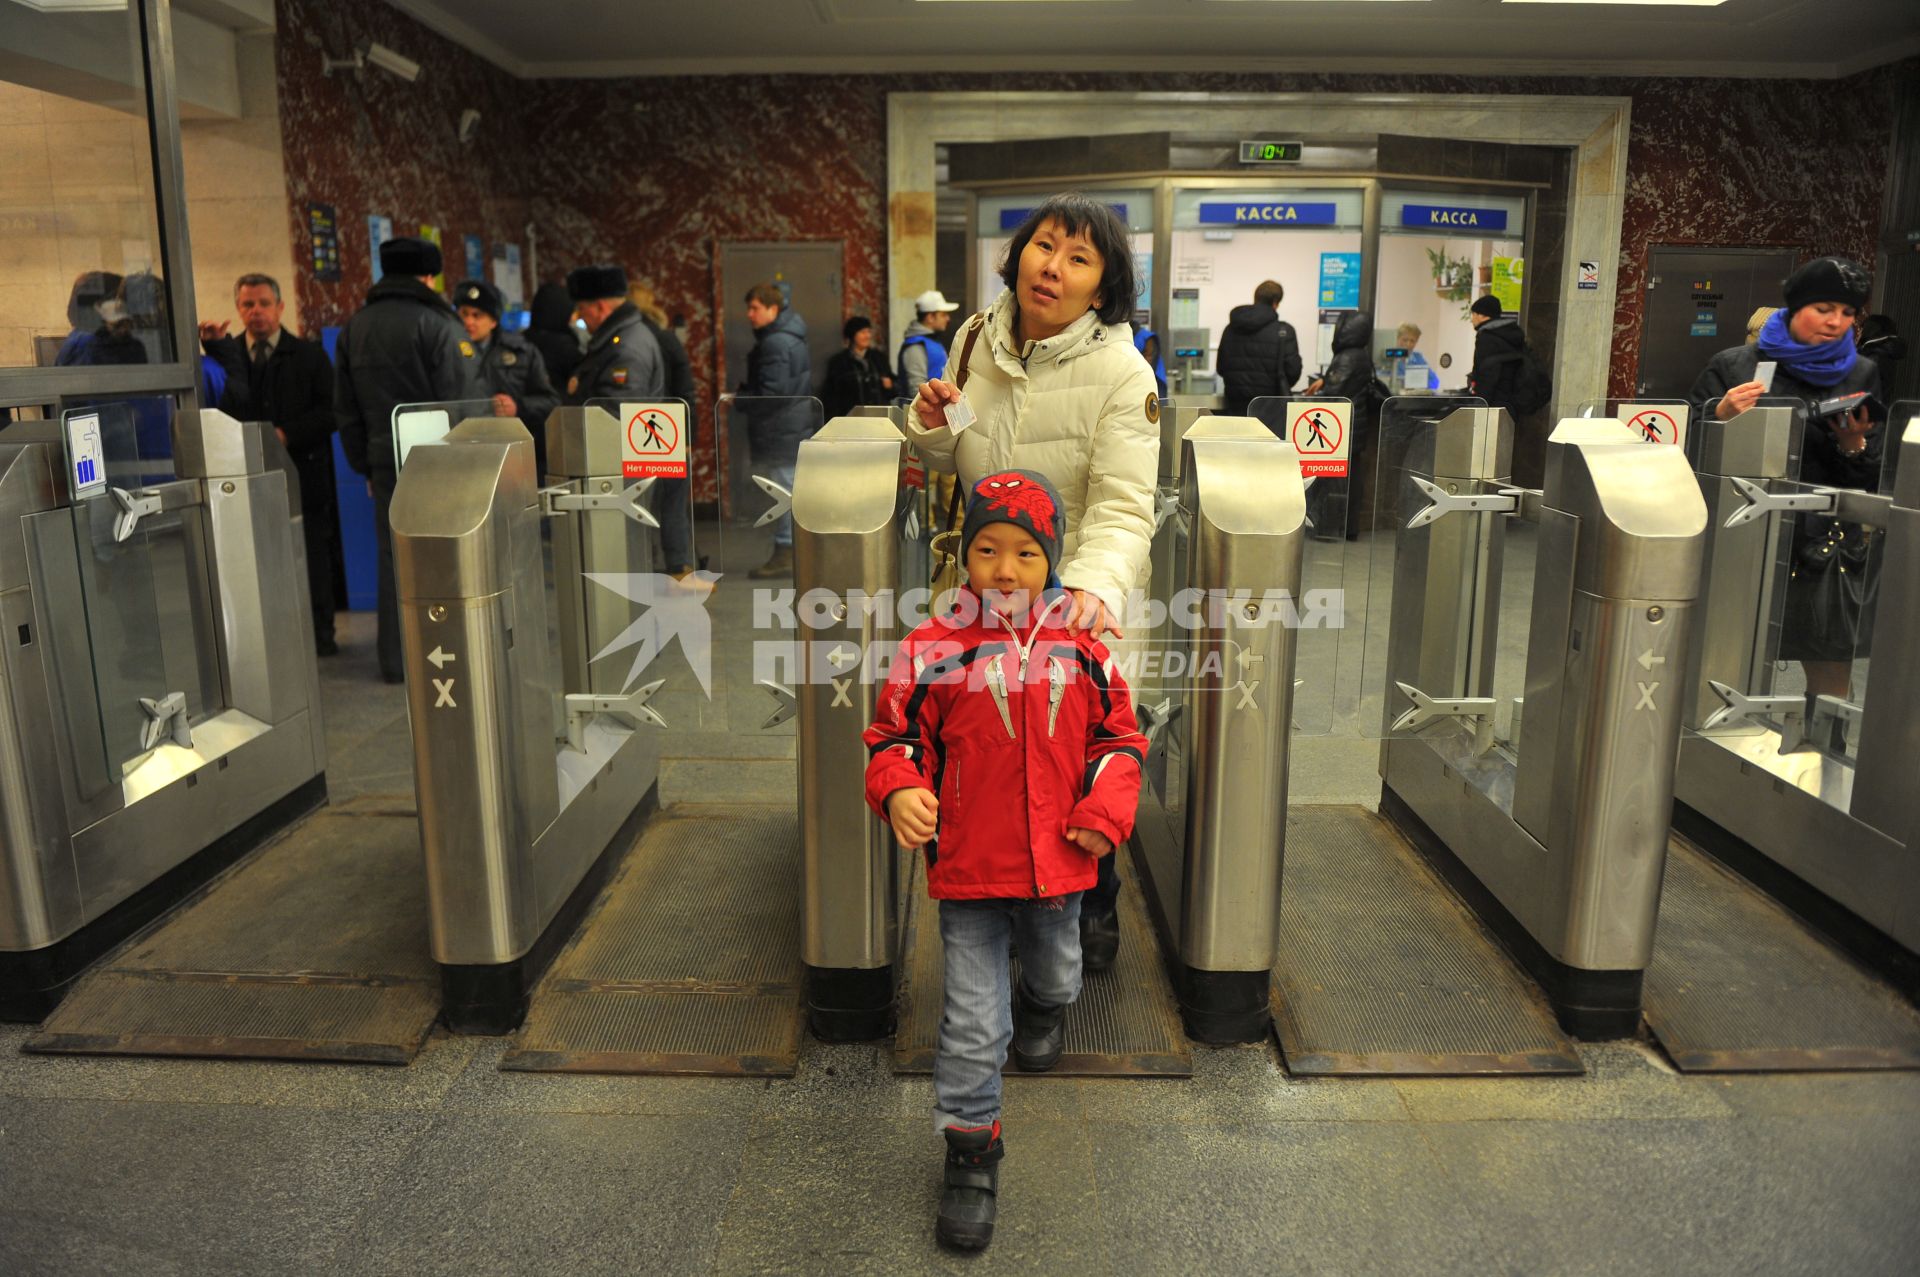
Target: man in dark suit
x,y
278,376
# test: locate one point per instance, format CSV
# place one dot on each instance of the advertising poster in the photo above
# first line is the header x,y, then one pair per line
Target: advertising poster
x,y
1507,276
507,277
379,231
476,252
431,234
323,235
1340,281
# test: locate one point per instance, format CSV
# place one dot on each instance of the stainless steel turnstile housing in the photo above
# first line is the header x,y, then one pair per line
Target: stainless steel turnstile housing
x,y
159,700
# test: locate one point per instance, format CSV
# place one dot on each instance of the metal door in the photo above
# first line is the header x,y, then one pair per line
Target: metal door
x,y
809,274
1697,305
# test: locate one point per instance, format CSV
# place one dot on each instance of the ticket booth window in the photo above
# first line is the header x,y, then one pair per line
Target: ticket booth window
x,y
1438,252
998,216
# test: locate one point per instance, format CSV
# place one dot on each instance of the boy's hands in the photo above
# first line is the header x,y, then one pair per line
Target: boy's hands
x,y
914,814
1093,843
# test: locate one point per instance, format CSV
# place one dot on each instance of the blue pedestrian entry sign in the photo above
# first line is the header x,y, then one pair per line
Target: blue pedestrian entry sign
x,y
86,458
1450,217
1268,213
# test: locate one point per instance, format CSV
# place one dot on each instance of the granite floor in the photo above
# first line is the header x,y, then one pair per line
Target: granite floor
x,y
449,1165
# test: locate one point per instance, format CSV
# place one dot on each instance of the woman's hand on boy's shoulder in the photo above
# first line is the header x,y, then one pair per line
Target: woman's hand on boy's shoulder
x,y
1093,843
914,815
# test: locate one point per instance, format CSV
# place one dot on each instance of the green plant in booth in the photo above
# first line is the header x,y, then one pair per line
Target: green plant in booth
x,y
1452,276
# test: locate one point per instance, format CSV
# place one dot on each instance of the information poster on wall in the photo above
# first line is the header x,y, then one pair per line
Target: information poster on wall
x,y
323,237
1340,281
431,234
476,254
1507,275
379,231
506,276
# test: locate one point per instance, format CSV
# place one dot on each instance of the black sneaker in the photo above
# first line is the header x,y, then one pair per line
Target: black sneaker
x,y
1099,940
1039,1032
325,647
972,1180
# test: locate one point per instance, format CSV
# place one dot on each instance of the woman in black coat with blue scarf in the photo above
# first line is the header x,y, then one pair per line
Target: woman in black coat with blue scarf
x,y
1810,341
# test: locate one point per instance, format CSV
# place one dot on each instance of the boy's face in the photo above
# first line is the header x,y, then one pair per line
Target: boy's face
x,y
1006,567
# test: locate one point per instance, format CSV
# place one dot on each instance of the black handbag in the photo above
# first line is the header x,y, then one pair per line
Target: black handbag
x,y
1830,594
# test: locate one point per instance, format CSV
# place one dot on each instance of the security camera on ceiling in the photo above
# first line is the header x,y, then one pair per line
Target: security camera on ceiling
x,y
378,55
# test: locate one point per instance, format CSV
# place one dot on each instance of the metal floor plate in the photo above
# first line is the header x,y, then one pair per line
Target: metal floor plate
x,y
690,960
1738,984
314,948
1126,1023
1383,971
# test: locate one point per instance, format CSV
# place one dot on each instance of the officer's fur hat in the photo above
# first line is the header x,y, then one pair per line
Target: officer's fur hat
x,y
480,295
596,283
409,256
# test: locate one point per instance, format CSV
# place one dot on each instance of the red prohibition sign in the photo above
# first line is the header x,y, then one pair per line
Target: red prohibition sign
x,y
1655,426
1316,432
653,433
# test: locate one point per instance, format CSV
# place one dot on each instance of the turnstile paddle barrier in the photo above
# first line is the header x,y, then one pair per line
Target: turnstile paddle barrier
x,y
527,789
1555,828
1213,818
158,690
1808,789
847,525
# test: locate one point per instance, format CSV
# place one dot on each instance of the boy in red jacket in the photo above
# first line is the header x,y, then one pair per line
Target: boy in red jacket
x,y
1026,734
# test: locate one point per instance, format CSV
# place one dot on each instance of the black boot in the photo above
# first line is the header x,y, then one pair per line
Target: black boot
x,y
973,1178
1099,940
1039,1032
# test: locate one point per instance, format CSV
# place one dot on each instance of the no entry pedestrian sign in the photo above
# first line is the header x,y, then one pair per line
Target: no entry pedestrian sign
x,y
1655,423
655,442
1319,432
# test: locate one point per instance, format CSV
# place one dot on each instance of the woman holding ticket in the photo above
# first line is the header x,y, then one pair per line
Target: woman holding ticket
x,y
1806,352
1052,383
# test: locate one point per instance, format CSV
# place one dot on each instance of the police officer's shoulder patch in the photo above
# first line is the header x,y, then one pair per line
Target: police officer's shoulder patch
x,y
508,358
1153,408
619,376
466,350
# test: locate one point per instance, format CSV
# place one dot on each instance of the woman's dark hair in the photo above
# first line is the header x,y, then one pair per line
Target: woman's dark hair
x,y
854,325
1082,214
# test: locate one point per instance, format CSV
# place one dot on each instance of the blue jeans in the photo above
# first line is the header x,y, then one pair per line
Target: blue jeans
x,y
781,472
977,1025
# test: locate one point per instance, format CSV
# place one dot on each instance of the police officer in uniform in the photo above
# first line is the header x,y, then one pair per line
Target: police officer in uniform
x,y
403,346
623,360
513,367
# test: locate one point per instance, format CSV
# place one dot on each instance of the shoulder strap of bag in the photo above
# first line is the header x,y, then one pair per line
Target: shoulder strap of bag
x,y
974,326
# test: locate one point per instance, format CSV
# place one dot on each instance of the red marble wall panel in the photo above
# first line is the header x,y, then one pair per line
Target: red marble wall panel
x,y
373,144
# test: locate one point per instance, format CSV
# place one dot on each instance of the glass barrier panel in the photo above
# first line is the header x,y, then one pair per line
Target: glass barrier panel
x,y
1403,450
670,585
416,423
80,274
1335,444
756,616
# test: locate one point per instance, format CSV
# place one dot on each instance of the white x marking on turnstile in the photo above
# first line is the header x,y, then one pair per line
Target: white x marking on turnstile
x,y
842,687
1646,695
443,694
1246,695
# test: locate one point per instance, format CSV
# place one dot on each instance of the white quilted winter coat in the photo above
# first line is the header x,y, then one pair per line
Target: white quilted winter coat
x,y
1080,408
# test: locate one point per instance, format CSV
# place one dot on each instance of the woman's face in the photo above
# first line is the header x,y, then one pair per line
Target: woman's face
x,y
1817,323
862,339
1059,280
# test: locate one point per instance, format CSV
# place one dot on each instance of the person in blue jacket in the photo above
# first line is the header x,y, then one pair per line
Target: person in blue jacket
x,y
778,367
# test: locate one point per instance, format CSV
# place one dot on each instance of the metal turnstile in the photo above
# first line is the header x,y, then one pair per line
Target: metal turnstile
x,y
847,553
1559,840
526,795
158,691
1832,834
1212,828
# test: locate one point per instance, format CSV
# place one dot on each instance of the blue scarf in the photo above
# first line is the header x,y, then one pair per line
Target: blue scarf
x,y
1823,365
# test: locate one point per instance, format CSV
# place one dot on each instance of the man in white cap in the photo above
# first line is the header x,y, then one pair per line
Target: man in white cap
x,y
922,357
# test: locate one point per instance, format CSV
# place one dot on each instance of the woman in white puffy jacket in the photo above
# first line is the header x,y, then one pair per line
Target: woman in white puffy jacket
x,y
1056,385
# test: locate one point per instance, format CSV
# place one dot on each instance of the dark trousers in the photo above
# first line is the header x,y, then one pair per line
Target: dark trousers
x,y
675,513
1104,898
320,529
388,644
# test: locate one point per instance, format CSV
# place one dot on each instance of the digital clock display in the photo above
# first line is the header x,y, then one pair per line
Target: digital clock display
x,y
1270,152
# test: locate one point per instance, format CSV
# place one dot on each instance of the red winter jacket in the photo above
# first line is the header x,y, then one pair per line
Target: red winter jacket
x,y
1021,741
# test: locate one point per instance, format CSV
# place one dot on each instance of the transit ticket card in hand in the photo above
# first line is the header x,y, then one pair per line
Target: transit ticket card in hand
x,y
959,414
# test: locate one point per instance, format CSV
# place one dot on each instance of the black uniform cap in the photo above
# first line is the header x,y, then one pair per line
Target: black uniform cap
x,y
480,295
409,256
595,283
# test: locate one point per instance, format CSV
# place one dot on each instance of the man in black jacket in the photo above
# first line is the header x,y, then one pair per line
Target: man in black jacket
x,y
404,346
1498,344
275,375
514,370
1259,355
